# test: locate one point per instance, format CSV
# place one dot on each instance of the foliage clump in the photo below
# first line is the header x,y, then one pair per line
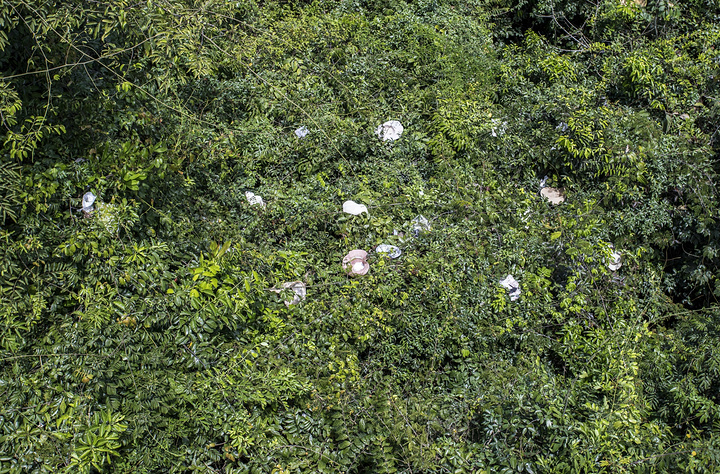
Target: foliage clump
x,y
182,323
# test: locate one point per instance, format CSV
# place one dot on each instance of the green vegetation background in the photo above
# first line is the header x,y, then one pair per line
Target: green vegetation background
x,y
143,337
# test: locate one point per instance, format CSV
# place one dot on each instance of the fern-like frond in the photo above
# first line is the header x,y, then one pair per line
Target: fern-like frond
x,y
9,190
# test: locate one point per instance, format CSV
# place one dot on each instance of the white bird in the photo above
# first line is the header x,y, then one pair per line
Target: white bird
x,y
390,130
87,202
420,224
298,287
253,198
615,262
390,250
513,287
351,207
302,132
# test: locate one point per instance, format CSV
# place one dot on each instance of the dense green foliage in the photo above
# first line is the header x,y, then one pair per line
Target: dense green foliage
x,y
142,337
